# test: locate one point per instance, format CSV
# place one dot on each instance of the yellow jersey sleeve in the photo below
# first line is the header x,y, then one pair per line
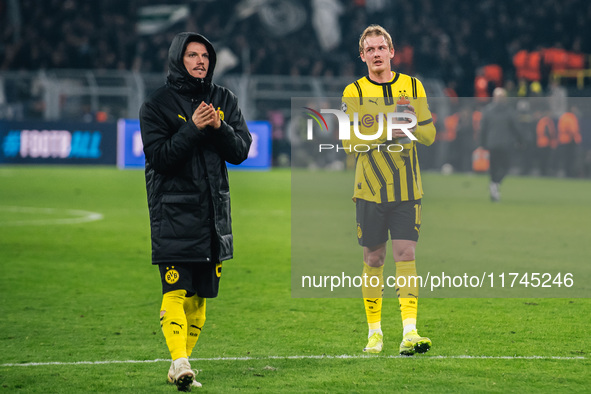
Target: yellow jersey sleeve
x,y
425,132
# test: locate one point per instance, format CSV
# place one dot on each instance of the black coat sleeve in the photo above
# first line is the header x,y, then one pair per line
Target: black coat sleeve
x,y
165,146
232,139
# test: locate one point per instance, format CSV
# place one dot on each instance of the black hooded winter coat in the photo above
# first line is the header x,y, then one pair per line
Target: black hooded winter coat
x,y
186,176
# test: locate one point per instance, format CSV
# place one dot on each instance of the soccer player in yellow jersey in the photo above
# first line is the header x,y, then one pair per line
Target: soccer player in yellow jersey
x,y
388,186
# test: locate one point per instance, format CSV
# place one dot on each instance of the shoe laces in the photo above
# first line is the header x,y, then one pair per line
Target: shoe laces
x,y
412,334
374,339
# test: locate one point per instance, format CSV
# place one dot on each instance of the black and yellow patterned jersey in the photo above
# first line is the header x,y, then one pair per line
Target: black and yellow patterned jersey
x,y
381,174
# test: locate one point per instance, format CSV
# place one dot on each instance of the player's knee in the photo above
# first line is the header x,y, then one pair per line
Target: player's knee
x,y
403,250
406,254
374,257
374,260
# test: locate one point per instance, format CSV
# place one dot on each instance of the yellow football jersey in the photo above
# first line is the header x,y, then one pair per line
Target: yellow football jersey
x,y
383,172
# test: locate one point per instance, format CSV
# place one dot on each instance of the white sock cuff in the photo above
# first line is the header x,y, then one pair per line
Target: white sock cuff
x,y
408,328
371,332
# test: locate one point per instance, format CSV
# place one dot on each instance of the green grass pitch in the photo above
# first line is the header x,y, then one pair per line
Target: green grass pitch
x,y
80,299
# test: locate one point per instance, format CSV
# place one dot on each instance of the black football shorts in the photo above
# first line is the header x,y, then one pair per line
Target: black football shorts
x,y
374,220
202,279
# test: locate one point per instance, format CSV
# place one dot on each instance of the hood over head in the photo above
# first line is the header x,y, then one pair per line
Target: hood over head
x,y
178,77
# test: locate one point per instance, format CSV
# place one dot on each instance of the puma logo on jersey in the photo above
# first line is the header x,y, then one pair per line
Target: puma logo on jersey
x,y
372,101
182,117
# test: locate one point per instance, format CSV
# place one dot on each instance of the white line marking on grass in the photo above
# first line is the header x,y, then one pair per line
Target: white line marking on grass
x,y
80,216
309,357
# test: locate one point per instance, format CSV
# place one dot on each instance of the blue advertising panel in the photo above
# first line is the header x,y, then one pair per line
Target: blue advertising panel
x,y
57,143
130,152
130,149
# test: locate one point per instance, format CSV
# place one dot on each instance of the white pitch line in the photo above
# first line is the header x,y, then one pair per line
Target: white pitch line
x,y
308,357
81,216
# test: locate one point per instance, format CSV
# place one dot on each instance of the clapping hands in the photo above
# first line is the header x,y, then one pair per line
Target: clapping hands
x,y
206,115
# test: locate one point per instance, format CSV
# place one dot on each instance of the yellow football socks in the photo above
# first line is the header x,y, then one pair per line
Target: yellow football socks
x,y
372,291
407,291
195,312
174,323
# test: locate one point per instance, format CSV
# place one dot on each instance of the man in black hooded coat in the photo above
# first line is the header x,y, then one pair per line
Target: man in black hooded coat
x,y
190,128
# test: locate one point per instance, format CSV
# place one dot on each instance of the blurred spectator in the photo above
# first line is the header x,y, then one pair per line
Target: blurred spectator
x,y
481,86
546,141
558,99
569,137
499,134
281,148
535,89
522,88
527,125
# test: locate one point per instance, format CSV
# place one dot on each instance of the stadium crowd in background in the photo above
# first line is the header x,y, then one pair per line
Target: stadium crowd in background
x,y
472,47
451,40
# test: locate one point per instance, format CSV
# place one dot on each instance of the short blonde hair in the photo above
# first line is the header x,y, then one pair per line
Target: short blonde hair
x,y
375,30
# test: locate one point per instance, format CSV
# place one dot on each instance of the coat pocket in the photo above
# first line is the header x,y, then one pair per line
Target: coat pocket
x,y
223,214
183,216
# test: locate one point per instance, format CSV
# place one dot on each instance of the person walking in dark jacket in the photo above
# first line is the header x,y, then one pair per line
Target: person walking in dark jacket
x,y
499,133
190,128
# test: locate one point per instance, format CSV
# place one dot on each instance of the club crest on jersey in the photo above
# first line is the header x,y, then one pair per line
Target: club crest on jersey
x,y
221,114
172,276
218,270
